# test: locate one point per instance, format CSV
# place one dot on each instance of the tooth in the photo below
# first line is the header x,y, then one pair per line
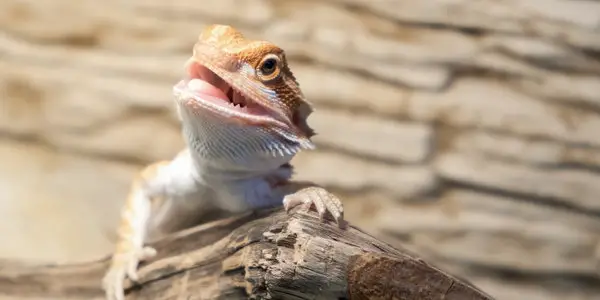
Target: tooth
x,y
196,84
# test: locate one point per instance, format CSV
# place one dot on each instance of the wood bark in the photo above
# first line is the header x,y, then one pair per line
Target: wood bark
x,y
266,254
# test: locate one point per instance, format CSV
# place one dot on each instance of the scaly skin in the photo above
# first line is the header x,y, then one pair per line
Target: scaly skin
x,y
243,118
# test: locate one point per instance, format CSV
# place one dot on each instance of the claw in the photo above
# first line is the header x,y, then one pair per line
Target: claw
x,y
124,266
321,199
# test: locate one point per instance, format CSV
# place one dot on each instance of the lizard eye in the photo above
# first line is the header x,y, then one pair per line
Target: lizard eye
x,y
269,67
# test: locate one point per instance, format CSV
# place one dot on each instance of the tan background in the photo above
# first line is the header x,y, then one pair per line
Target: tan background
x,y
466,130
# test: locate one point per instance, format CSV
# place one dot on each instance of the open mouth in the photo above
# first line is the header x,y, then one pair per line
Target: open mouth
x,y
203,89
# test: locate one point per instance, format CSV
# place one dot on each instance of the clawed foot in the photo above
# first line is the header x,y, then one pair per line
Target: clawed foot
x,y
124,265
322,200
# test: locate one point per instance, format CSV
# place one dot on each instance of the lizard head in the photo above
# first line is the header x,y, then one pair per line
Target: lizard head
x,y
244,89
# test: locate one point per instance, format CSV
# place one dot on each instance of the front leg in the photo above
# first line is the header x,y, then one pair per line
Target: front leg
x,y
309,195
132,231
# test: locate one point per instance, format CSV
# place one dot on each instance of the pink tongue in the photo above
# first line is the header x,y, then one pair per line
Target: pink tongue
x,y
204,88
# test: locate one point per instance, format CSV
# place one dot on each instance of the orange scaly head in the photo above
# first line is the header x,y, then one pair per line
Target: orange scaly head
x,y
247,84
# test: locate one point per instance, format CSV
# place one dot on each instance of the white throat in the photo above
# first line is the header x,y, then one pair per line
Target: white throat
x,y
230,150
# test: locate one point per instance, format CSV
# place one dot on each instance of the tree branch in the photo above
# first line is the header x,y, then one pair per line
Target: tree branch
x,y
264,254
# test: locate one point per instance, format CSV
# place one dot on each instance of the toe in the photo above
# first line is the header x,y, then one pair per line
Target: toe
x,y
147,253
322,200
291,201
319,199
113,284
335,208
132,271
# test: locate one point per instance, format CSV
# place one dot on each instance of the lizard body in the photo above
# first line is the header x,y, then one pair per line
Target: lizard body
x,y
243,119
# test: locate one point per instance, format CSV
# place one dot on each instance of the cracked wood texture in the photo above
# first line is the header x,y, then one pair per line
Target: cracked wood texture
x,y
261,255
466,131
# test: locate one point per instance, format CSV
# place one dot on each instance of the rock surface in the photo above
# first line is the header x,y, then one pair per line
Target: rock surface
x,y
465,130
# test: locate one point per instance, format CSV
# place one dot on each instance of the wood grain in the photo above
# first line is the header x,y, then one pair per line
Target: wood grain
x,y
260,255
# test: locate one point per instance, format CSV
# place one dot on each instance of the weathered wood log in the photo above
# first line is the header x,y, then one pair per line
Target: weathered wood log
x,y
260,255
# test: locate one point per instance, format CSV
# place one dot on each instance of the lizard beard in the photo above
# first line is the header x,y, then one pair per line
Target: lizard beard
x,y
219,143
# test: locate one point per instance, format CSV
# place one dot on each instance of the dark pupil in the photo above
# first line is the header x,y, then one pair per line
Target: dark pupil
x,y
268,66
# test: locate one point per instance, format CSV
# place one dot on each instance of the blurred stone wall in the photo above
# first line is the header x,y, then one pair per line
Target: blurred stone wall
x,y
468,131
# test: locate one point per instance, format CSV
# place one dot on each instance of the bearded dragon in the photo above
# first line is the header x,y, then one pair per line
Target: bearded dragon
x,y
243,119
